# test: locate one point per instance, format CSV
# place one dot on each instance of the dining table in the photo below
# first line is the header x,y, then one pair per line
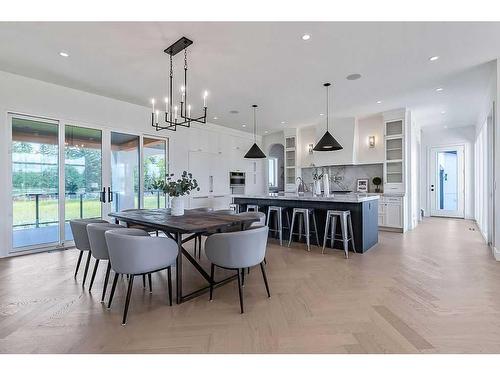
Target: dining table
x,y
185,228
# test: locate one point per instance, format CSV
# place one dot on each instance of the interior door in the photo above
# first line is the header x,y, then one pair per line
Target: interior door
x,y
446,190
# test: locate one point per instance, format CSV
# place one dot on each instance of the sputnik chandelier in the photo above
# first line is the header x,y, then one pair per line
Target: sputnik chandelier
x,y
174,116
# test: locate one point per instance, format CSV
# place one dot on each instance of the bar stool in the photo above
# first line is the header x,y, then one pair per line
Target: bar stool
x,y
252,207
278,220
345,222
304,213
235,207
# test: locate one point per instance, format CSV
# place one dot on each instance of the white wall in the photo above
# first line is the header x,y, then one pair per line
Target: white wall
x,y
442,137
32,97
366,127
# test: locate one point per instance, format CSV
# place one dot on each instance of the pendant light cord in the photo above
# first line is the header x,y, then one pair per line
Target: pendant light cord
x,y
327,106
254,125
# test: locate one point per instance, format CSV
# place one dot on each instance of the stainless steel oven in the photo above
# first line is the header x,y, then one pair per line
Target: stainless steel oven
x,y
236,179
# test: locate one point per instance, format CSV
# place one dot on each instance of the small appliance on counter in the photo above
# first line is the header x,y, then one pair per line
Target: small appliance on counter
x,y
237,182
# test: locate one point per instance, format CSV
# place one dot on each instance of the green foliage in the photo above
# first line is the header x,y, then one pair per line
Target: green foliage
x,y
177,188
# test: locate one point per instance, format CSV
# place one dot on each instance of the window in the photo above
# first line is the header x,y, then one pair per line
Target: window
x,y
273,172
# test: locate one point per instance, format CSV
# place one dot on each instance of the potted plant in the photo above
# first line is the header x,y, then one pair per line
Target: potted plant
x,y
377,181
177,189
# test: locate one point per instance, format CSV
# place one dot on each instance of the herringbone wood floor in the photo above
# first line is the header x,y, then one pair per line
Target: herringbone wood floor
x,y
432,290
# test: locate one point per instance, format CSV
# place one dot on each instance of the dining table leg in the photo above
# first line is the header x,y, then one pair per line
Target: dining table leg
x,y
178,270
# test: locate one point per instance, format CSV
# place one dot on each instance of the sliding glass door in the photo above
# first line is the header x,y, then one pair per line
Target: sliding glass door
x,y
82,174
35,182
63,171
154,153
124,193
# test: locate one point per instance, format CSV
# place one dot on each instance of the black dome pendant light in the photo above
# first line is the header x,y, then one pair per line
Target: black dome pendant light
x,y
255,152
327,142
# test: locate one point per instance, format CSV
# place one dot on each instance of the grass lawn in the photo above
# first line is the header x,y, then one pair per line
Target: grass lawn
x,y
24,211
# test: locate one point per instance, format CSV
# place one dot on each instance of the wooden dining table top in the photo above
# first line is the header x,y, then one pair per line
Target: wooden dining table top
x,y
193,220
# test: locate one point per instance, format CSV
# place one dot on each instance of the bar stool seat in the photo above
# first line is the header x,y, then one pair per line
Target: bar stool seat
x,y
278,220
347,233
304,214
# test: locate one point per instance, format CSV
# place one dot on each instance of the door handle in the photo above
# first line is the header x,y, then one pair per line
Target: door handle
x,y
102,195
110,195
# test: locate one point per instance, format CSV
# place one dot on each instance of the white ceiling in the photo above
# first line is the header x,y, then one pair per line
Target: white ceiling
x,y
270,65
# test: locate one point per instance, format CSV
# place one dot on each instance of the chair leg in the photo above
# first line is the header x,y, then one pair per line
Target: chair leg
x,y
144,282
93,274
243,277
301,219
240,291
352,233
325,237
106,279
199,247
86,268
150,284
334,231
265,279
113,287
212,274
169,276
127,301
343,227
195,245
291,229
315,229
280,227
307,230
78,262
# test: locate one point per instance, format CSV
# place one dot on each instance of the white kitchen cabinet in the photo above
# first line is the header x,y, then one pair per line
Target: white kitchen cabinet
x,y
390,212
394,155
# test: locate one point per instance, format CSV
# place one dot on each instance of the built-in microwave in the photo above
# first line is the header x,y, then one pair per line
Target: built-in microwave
x,y
236,179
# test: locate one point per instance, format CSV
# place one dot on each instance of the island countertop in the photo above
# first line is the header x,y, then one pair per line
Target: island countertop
x,y
336,197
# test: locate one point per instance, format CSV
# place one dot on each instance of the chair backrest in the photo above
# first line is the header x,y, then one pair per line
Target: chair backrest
x,y
261,222
79,230
97,240
133,251
237,249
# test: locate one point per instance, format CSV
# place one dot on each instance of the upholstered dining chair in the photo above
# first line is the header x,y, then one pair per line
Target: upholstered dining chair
x,y
134,252
237,251
99,249
81,238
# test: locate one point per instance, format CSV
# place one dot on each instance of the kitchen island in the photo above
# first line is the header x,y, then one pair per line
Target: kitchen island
x,y
363,207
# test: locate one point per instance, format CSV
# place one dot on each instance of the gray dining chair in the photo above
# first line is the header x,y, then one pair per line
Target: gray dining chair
x,y
99,249
81,238
134,252
238,251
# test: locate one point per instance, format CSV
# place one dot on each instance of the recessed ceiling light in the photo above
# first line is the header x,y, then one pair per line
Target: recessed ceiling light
x,y
266,132
321,114
244,125
64,54
353,77
379,101
306,37
439,89
283,122
215,118
443,112
433,58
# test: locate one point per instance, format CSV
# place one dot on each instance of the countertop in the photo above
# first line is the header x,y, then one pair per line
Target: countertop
x,y
339,197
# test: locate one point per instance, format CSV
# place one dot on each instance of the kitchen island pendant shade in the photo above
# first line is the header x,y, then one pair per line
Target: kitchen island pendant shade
x,y
327,142
255,152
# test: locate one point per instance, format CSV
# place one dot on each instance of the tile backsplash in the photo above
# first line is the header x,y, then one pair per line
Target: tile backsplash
x,y
345,177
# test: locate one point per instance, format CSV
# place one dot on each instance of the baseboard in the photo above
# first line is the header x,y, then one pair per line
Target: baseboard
x,y
496,253
390,229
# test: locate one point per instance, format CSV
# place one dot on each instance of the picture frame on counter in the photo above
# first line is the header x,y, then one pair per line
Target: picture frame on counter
x,y
362,185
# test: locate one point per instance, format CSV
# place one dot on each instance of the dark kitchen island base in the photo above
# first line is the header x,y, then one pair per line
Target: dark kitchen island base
x,y
364,213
